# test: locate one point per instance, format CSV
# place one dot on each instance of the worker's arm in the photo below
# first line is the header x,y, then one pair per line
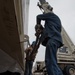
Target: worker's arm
x,y
38,26
42,17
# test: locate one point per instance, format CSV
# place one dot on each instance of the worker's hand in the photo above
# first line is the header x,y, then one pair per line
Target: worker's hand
x,y
29,49
38,29
33,56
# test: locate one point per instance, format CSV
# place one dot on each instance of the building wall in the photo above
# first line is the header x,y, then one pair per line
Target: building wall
x,y
11,29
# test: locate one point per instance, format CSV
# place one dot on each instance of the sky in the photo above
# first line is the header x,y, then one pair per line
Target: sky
x,y
65,9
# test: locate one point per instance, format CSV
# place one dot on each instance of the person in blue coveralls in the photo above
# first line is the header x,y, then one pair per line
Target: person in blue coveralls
x,y
50,38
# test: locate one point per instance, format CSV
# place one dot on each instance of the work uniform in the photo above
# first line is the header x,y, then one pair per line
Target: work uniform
x,y
29,62
51,38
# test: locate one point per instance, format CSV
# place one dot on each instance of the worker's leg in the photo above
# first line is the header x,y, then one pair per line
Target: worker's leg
x,y
51,59
30,67
48,59
26,68
56,68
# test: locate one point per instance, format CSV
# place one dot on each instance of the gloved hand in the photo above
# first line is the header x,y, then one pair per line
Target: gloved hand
x,y
38,29
29,49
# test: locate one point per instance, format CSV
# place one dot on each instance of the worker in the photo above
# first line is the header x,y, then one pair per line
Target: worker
x,y
29,62
50,38
30,57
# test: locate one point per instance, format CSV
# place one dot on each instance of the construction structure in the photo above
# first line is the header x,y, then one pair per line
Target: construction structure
x,y
13,21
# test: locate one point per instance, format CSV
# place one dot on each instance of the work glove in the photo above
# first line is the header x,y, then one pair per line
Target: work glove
x,y
29,49
39,29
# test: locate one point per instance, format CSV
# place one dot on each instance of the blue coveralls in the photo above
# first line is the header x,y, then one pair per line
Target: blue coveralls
x,y
51,38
